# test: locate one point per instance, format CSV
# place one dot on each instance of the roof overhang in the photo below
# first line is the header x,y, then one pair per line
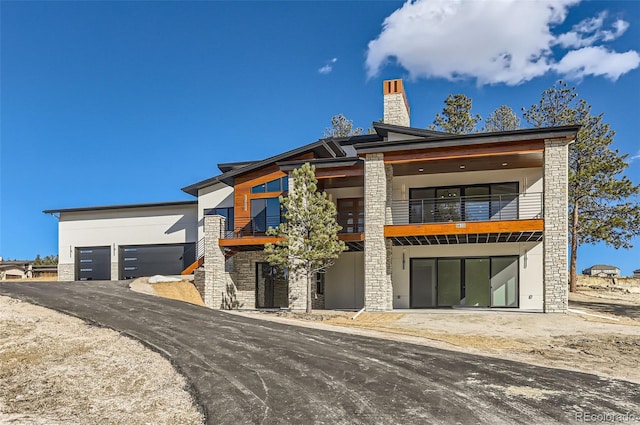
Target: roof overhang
x,y
567,132
122,207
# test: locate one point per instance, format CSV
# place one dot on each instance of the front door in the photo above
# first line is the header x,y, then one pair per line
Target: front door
x,y
272,287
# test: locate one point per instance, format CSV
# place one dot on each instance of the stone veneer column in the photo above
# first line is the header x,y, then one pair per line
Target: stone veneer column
x,y
66,272
297,281
214,263
378,293
556,178
115,270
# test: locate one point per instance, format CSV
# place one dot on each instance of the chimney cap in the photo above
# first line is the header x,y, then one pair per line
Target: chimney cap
x,y
393,86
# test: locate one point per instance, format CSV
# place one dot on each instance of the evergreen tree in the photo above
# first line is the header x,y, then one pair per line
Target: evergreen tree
x,y
601,199
456,116
502,119
341,126
310,232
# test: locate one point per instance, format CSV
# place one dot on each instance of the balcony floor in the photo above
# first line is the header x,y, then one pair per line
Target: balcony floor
x,y
466,232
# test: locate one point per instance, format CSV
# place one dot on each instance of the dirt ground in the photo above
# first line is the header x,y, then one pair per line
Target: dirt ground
x,y
181,291
604,346
57,369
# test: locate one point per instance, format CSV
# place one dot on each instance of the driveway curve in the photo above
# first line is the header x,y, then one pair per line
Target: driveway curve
x,y
244,370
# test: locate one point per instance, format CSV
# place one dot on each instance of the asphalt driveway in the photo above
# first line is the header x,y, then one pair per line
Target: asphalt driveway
x,y
245,370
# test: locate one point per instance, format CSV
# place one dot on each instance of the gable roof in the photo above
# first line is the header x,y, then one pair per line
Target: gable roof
x,y
383,130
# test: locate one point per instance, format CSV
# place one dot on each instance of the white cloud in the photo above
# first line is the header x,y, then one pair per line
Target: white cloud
x,y
589,31
597,61
635,157
328,67
499,41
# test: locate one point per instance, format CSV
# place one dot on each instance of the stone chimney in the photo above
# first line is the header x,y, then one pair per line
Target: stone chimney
x,y
396,106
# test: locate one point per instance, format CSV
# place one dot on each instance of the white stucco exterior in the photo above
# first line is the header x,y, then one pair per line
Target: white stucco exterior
x,y
127,226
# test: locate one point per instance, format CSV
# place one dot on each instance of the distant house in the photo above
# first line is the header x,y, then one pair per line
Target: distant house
x,y
15,270
602,270
636,273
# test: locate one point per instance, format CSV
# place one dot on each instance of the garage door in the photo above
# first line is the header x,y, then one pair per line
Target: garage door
x,y
93,263
149,260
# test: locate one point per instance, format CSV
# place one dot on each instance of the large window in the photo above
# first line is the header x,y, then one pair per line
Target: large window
x,y
498,201
470,282
265,213
226,212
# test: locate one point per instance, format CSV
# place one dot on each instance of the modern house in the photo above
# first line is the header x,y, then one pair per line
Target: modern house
x,y
431,220
636,273
602,270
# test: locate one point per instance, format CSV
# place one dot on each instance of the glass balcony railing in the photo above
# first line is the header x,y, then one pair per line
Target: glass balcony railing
x,y
510,206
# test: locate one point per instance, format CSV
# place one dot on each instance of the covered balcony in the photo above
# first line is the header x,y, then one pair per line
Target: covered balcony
x,y
449,218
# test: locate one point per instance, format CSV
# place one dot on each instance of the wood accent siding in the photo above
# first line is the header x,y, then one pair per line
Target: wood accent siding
x,y
332,173
469,228
244,183
453,152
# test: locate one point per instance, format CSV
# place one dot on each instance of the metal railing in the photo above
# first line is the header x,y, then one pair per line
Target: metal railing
x,y
197,250
510,206
256,227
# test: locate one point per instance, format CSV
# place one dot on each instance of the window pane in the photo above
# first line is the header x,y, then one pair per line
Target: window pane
x,y
259,215
285,184
476,203
423,282
449,281
504,201
448,204
258,189
273,186
273,212
504,281
477,282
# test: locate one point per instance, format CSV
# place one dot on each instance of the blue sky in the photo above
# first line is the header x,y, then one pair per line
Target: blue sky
x,y
127,102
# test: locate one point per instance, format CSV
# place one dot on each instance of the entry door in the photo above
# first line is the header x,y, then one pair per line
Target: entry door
x,y
272,287
423,282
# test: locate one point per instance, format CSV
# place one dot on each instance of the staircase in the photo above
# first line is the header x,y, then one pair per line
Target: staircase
x,y
199,251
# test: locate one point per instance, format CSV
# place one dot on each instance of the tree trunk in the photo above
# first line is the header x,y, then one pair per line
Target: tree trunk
x,y
574,248
309,292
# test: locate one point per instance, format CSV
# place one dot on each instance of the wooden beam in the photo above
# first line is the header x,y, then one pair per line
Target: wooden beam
x,y
249,240
351,237
463,228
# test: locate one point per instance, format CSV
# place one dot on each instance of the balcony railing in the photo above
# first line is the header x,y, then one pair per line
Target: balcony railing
x,y
511,206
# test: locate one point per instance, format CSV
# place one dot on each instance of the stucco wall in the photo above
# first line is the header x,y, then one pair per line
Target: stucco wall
x,y
134,226
344,282
214,196
530,267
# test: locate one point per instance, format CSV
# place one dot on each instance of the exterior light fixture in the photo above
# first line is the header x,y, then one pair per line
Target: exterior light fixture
x,y
421,169
462,167
504,164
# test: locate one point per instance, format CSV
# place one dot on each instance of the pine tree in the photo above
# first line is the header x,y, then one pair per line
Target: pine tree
x,y
502,119
341,126
310,232
601,204
456,116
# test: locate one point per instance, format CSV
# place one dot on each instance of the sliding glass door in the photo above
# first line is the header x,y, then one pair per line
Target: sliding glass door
x,y
470,282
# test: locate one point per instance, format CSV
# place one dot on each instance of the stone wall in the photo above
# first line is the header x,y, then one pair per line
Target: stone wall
x,y
115,271
395,110
66,272
555,273
215,279
198,280
378,290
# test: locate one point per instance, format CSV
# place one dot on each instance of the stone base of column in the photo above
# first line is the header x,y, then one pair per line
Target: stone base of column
x,y
66,272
